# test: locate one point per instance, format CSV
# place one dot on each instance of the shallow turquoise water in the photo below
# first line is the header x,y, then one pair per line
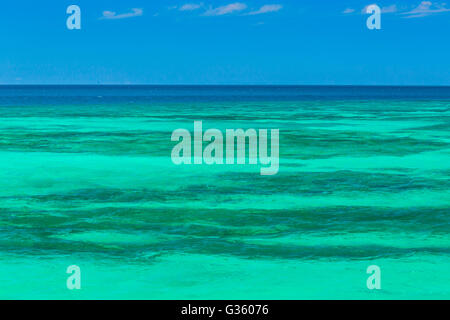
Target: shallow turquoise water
x,y
87,179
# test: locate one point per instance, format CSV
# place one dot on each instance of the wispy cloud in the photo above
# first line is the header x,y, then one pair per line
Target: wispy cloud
x,y
266,9
135,12
259,24
348,10
426,8
388,9
191,6
230,8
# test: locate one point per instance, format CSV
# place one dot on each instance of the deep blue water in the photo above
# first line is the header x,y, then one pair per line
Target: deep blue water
x,y
24,95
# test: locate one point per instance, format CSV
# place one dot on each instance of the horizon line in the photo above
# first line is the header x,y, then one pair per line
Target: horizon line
x,y
223,85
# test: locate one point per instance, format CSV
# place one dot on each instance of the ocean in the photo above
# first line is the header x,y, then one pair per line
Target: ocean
x,y
87,179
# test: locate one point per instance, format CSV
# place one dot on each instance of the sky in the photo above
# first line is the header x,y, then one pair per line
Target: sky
x,y
304,42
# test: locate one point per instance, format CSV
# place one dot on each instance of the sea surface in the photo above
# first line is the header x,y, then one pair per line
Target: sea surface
x,y
87,180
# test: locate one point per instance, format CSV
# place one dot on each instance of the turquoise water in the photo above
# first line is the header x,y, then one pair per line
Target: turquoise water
x,y
87,180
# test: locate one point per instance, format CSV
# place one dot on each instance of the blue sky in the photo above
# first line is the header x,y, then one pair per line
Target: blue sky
x,y
224,42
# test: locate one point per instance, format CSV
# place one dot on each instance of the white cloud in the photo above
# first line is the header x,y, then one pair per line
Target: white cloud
x,y
267,8
389,9
135,12
191,6
230,8
348,10
426,8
